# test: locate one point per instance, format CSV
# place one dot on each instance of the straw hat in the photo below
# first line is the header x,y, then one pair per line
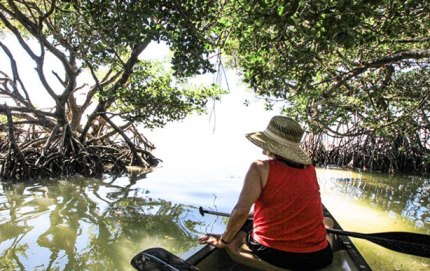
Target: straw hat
x,y
282,137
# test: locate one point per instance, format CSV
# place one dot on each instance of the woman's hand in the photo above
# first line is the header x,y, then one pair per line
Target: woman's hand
x,y
212,239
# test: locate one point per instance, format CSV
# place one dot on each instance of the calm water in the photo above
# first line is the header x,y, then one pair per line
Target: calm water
x,y
92,224
377,203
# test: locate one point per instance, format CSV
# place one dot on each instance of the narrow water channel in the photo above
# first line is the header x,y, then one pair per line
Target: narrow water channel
x,y
92,224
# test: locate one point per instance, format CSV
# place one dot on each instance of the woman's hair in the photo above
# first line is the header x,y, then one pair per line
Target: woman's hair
x,y
288,162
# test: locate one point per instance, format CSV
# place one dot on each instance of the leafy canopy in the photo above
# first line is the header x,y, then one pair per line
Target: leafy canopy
x,y
361,63
153,97
106,38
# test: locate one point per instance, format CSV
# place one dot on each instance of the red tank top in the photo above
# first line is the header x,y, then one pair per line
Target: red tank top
x,y
288,215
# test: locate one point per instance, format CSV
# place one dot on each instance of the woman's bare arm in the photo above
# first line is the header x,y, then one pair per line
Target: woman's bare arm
x,y
255,180
251,190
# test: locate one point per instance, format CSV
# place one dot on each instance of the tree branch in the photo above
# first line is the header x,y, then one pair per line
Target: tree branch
x,y
17,78
16,32
136,158
390,59
37,33
109,134
128,69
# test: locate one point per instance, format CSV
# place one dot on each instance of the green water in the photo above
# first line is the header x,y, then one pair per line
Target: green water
x,y
378,203
92,224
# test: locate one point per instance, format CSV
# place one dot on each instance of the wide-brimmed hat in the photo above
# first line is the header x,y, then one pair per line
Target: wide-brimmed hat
x,y
282,137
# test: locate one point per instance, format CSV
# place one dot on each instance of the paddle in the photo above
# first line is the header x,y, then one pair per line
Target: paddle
x,y
404,242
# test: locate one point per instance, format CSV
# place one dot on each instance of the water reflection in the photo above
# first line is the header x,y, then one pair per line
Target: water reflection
x,y
93,224
405,196
86,224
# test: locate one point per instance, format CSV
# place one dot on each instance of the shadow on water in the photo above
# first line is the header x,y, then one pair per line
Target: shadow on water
x,y
86,224
373,202
405,197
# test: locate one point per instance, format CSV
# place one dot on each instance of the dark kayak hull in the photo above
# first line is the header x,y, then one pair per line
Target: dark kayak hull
x,y
346,257
220,260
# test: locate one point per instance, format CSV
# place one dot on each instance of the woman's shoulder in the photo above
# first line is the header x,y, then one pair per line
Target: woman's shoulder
x,y
261,166
260,163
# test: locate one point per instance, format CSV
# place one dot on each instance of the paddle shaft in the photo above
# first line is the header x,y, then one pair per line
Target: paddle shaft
x,y
404,242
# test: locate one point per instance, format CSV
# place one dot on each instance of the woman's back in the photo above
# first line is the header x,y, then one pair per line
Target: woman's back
x,y
288,214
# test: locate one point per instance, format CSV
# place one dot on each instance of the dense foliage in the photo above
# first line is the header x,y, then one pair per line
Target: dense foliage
x,y
349,68
101,40
355,70
151,99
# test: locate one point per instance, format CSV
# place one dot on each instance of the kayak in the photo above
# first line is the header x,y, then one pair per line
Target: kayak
x,y
345,256
208,258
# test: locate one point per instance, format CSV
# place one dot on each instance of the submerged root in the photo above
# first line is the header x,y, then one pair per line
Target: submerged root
x,y
59,156
370,153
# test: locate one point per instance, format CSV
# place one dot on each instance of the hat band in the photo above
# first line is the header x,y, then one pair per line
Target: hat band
x,y
279,138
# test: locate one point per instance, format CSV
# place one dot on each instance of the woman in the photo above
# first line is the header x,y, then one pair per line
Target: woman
x,y
288,227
